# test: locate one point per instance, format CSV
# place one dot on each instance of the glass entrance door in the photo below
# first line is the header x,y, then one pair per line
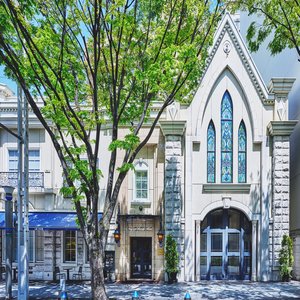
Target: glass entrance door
x,y
141,257
225,245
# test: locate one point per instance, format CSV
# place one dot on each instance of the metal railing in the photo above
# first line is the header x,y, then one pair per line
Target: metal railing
x,y
36,179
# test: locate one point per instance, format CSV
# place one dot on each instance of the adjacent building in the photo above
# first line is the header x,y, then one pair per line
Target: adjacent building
x,y
215,174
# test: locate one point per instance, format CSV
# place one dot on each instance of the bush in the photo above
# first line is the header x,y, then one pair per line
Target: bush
x,y
171,255
286,258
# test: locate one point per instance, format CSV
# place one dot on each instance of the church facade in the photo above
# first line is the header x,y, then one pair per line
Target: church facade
x,y
214,175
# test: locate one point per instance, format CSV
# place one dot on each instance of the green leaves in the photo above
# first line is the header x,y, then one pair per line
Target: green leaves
x,y
280,21
130,142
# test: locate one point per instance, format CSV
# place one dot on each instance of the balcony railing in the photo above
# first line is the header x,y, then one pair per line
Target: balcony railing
x,y
35,179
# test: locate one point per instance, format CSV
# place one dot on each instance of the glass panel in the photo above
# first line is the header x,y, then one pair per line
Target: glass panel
x,y
39,245
233,242
247,264
242,167
34,160
242,137
226,138
226,113
211,151
141,184
216,242
203,242
233,265
69,246
211,165
216,219
13,160
234,219
226,134
247,242
226,170
204,224
203,265
242,153
246,225
216,265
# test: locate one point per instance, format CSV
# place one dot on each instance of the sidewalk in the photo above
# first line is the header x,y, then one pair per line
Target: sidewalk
x,y
204,290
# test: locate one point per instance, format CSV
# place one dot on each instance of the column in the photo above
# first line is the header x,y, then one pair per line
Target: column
x,y
280,130
174,176
254,249
198,250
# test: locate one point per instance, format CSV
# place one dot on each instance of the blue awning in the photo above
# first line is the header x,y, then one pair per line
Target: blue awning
x,y
49,220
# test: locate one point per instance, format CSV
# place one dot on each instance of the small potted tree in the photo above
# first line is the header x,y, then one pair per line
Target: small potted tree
x,y
172,259
286,258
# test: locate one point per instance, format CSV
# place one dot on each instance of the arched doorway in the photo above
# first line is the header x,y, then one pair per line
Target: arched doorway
x,y
225,245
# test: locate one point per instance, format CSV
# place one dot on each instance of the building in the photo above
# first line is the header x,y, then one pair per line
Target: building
x,y
215,175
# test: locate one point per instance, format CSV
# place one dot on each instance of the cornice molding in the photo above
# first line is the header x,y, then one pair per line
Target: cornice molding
x,y
285,128
172,127
245,57
226,187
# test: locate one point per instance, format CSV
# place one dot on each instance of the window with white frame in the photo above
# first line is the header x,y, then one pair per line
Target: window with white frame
x,y
34,160
141,182
12,160
69,243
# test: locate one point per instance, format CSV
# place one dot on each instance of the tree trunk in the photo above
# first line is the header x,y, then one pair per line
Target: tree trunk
x,y
96,265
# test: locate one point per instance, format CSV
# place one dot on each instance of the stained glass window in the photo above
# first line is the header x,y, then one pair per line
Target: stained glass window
x,y
226,136
211,152
242,153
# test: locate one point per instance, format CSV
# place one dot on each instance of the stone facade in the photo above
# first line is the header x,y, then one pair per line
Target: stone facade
x,y
178,198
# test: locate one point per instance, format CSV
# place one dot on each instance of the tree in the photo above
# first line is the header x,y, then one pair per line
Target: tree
x,y
94,63
280,17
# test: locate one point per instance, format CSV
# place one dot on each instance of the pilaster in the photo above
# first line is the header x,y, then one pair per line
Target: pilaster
x,y
174,174
254,251
280,132
198,247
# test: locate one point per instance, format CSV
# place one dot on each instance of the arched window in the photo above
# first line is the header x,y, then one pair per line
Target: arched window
x,y
211,153
242,153
226,136
141,182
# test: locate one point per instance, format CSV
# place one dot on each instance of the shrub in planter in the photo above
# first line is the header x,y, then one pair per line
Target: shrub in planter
x,y
172,259
286,258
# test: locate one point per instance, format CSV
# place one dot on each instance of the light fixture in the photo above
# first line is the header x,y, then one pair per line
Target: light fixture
x,y
8,190
160,236
117,235
117,232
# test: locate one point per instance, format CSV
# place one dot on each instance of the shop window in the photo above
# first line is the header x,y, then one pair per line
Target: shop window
x,y
69,248
39,245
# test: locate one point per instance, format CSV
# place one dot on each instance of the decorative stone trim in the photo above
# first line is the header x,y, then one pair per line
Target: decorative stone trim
x,y
245,57
172,127
281,127
281,86
227,187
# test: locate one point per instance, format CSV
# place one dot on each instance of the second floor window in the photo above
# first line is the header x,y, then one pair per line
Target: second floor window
x,y
141,184
13,160
34,160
